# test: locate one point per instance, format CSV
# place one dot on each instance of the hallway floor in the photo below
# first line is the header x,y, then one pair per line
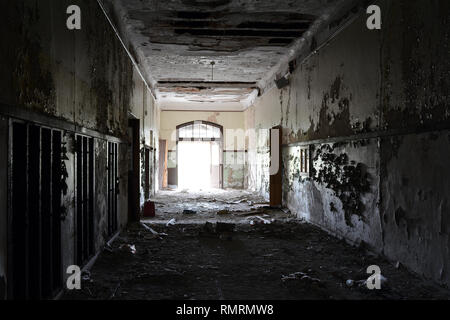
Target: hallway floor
x,y
254,252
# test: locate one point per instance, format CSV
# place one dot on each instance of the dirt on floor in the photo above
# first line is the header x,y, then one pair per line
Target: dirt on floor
x,y
247,253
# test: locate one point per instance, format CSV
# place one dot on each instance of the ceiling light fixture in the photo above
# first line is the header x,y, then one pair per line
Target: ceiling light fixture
x,y
212,70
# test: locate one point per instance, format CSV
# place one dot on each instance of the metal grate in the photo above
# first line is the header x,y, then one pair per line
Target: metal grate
x,y
34,249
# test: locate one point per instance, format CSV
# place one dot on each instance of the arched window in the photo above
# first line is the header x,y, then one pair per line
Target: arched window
x,y
199,131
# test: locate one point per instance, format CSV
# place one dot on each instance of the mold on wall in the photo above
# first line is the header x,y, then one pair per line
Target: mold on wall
x,y
82,76
349,180
415,66
373,106
340,194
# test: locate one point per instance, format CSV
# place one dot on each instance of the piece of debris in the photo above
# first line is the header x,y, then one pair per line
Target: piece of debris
x,y
86,275
248,214
128,248
108,248
352,283
301,276
186,211
171,222
398,265
158,234
115,291
363,283
265,221
223,212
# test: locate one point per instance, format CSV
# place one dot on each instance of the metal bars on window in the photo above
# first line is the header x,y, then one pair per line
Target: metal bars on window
x,y
34,226
113,188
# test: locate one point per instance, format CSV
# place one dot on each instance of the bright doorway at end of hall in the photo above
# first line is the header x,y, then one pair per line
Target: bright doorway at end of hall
x,y
199,153
198,165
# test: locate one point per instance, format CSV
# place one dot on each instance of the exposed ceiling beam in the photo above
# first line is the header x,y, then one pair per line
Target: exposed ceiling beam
x,y
324,28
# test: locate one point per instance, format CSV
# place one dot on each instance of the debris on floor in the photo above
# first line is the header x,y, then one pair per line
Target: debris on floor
x,y
265,221
156,234
241,255
194,258
302,277
128,248
211,204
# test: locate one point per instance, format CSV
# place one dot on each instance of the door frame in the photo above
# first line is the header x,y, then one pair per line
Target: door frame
x,y
220,140
275,188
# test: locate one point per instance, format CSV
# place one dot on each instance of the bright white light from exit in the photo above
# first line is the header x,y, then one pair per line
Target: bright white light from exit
x,y
196,160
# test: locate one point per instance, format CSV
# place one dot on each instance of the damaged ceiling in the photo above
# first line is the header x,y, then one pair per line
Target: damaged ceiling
x,y
211,54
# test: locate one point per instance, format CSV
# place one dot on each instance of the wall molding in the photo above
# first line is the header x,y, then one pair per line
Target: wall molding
x,y
21,113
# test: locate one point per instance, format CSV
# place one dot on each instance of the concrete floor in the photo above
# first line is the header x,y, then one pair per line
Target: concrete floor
x,y
248,252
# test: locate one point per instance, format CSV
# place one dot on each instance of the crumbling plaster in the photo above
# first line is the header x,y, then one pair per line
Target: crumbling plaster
x,y
234,156
376,97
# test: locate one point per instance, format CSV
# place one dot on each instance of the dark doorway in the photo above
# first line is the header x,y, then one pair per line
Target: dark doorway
x,y
134,171
147,182
275,178
34,251
163,181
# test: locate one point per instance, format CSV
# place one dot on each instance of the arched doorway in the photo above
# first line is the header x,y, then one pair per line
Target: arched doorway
x,y
199,155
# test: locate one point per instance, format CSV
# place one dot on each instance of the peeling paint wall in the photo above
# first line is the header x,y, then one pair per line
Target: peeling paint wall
x,y
234,169
83,80
414,172
341,193
3,205
415,202
373,107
